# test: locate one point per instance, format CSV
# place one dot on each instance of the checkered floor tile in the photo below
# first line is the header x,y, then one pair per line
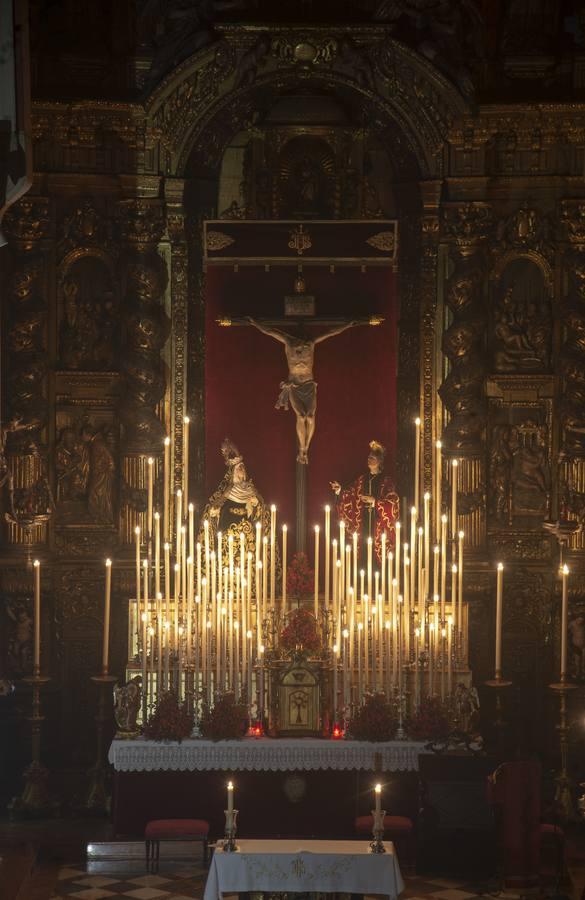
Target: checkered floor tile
x,y
179,882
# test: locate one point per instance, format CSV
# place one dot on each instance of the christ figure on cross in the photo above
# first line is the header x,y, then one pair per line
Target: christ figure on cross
x,y
300,389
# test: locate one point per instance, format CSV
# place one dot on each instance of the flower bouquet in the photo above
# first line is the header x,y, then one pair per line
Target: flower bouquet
x,y
300,578
374,720
170,720
226,720
300,634
430,722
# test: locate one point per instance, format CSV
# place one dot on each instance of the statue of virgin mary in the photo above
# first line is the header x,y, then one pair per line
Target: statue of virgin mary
x,y
235,506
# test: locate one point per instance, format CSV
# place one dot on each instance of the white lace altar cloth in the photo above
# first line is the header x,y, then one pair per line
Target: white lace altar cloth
x,y
263,754
315,866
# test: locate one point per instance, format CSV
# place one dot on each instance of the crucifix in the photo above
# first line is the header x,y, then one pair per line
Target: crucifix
x,y
299,391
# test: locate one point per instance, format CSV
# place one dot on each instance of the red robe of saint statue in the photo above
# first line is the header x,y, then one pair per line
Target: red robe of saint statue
x,y
367,521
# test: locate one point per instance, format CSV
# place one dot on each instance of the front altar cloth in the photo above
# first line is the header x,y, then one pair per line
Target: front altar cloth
x,y
304,866
263,755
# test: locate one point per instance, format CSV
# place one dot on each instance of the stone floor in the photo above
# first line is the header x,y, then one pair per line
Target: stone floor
x,y
181,881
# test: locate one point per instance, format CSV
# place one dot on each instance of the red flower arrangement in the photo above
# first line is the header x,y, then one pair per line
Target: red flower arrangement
x,y
300,578
300,632
226,720
170,721
430,722
374,720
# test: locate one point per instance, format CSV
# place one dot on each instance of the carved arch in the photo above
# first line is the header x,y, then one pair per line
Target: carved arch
x,y
400,85
532,256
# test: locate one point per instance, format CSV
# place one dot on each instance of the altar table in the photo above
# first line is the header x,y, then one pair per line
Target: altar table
x,y
263,755
284,787
304,866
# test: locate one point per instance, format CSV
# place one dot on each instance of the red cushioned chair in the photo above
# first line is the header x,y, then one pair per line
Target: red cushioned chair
x,y
398,829
173,830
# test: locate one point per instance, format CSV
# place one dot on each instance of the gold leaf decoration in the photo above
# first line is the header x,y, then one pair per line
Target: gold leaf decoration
x,y
384,241
217,240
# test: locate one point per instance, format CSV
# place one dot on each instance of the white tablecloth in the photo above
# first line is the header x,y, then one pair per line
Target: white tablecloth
x,y
263,754
328,866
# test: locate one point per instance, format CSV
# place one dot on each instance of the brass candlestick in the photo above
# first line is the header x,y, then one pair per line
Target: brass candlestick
x,y
98,797
35,799
564,787
498,684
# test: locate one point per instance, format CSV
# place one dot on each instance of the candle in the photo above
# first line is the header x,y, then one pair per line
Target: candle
x,y
416,461
416,667
454,470
37,618
106,643
272,554
378,825
355,561
166,487
499,586
438,489
316,601
370,566
383,560
335,654
230,804
454,592
443,565
284,538
460,586
157,552
138,574
186,421
192,531
398,529
150,494
564,622
449,656
327,539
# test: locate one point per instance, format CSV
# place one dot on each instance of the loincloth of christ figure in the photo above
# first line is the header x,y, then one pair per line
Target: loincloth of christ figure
x,y
299,391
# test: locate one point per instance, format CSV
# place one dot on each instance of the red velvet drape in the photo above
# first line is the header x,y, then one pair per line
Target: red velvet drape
x,y
355,373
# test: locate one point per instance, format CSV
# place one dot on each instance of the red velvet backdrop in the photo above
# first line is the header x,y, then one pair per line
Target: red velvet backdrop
x,y
355,373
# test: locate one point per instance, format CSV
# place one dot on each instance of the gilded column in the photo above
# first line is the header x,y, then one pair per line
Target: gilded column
x,y
466,227
146,328
572,369
27,498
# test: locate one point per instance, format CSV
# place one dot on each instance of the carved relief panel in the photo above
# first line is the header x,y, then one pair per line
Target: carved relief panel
x,y
520,452
521,328
88,313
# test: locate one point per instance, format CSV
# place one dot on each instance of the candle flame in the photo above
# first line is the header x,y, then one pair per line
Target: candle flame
x,y
150,461
167,441
565,569
454,463
108,563
417,421
378,789
500,567
316,529
454,568
461,535
37,563
230,786
186,420
137,530
438,445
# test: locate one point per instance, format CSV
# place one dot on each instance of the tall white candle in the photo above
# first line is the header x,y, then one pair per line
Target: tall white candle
x,y
150,494
564,621
166,488
272,554
438,489
106,641
416,462
454,471
460,586
186,421
37,618
316,599
138,569
284,551
157,552
499,598
327,552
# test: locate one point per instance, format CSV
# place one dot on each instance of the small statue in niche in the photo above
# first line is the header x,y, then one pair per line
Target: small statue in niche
x,y
102,467
501,460
521,333
307,178
127,698
531,469
87,325
72,466
467,706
